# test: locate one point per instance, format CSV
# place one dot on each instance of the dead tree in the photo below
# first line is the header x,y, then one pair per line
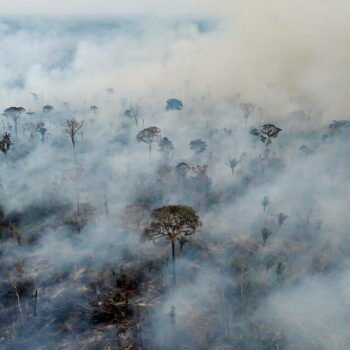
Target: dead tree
x,y
171,222
134,113
247,109
72,126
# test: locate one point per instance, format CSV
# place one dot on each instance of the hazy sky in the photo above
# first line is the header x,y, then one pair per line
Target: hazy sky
x,y
100,7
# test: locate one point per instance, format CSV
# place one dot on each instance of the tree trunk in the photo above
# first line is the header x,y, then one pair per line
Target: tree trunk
x,y
35,301
150,153
242,279
106,205
173,256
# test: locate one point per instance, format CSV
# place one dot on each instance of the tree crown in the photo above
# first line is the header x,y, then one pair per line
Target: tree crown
x,y
172,221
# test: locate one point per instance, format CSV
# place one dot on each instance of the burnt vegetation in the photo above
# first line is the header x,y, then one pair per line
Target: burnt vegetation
x,y
185,247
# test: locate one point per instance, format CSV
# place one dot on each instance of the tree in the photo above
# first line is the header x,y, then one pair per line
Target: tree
x,y
14,113
269,262
94,109
281,218
166,146
233,163
247,109
72,127
199,146
265,234
266,133
265,202
148,136
171,222
47,109
133,113
173,104
41,130
269,131
5,143
182,169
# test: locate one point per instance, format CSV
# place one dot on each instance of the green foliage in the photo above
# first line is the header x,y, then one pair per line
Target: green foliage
x,y
265,234
172,221
269,262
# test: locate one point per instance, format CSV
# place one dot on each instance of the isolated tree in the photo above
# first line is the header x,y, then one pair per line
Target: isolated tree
x,y
247,109
47,109
281,218
266,133
198,146
171,222
72,126
265,202
148,136
94,109
5,143
269,262
14,113
173,104
133,113
233,163
269,131
265,234
40,128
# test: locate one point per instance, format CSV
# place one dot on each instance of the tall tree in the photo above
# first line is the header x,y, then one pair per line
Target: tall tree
x,y
148,136
171,222
72,126
41,130
5,143
247,109
14,113
134,113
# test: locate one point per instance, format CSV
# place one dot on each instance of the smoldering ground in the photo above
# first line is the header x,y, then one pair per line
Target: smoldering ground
x,y
71,227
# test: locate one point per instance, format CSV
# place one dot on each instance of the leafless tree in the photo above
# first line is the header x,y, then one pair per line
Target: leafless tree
x,y
247,109
134,113
148,136
171,222
72,126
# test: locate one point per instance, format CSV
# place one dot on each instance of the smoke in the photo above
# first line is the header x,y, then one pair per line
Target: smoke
x,y
72,225
283,55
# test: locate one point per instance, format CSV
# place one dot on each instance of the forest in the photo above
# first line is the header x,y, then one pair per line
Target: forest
x,y
148,203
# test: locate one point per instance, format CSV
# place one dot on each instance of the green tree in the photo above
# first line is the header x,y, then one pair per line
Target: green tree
x,y
265,234
171,222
